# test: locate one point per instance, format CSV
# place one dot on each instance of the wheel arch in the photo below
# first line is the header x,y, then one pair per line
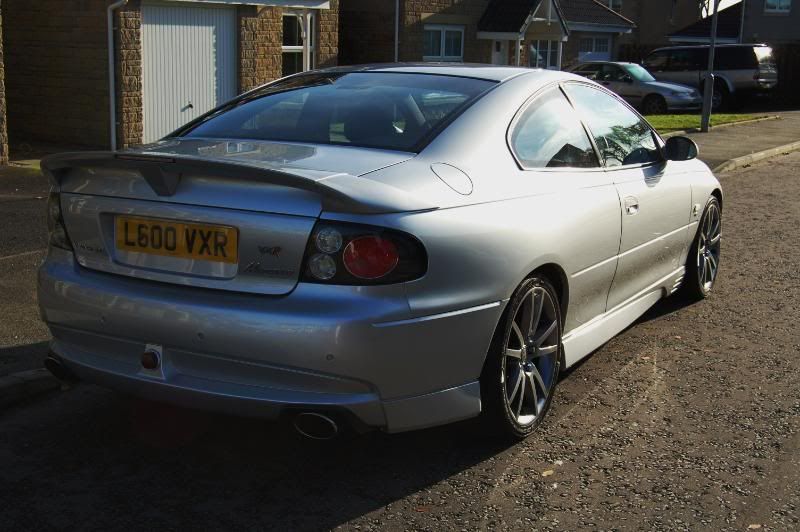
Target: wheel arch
x,y
717,193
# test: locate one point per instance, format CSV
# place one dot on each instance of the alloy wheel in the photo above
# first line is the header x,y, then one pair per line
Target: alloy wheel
x,y
709,247
530,361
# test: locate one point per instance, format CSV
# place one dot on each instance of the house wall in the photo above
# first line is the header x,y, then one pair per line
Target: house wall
x,y
655,20
57,66
773,28
3,131
56,71
369,35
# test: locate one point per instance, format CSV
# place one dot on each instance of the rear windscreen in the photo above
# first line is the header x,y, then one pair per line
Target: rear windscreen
x,y
764,55
395,111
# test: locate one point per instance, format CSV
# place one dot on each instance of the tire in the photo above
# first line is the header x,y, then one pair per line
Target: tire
x,y
654,104
702,264
514,409
720,100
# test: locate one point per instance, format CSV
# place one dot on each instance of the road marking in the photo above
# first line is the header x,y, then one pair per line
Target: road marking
x,y
25,254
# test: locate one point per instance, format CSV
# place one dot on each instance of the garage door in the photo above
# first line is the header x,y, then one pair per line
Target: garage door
x,y
188,63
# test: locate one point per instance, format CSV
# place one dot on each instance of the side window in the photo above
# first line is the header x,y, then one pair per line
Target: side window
x,y
683,60
550,135
611,73
657,61
622,136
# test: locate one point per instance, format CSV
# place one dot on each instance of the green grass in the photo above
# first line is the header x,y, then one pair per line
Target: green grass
x,y
667,123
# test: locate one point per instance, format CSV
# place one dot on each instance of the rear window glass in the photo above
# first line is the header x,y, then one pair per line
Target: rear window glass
x,y
735,58
394,111
764,55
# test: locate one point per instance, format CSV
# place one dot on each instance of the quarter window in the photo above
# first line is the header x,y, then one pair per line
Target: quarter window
x,y
443,43
616,5
622,137
550,135
777,6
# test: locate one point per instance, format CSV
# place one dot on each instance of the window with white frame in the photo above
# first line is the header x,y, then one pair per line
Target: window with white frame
x,y
443,43
777,6
594,47
543,54
292,48
616,5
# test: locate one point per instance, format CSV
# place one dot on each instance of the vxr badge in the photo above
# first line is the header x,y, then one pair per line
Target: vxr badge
x,y
273,251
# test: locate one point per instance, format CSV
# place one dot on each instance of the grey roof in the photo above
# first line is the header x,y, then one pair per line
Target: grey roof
x,y
506,16
592,12
728,24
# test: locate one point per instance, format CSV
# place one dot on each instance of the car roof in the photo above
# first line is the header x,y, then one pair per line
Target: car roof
x,y
728,45
464,70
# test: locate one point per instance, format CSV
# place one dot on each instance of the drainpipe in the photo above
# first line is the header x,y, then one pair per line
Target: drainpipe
x,y
396,31
112,79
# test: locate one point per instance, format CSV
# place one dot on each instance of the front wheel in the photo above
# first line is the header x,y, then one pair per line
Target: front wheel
x,y
654,105
522,366
703,263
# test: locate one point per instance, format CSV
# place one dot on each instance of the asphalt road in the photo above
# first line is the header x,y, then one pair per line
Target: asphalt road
x,y
688,420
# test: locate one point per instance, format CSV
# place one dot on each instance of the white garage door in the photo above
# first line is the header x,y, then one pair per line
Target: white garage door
x,y
188,64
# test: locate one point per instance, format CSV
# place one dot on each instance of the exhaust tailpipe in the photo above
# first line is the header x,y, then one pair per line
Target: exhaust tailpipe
x,y
55,366
315,426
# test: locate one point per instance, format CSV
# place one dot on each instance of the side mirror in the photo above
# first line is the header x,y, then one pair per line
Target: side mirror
x,y
680,149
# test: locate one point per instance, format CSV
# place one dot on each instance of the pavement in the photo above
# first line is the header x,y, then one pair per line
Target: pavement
x,y
688,420
724,143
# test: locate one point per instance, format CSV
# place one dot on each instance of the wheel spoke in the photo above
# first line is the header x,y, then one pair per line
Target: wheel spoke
x,y
714,241
538,376
528,311
546,351
516,388
521,395
537,313
518,334
546,334
713,263
514,353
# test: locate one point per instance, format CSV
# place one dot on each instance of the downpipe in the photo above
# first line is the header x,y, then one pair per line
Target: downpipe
x,y
316,426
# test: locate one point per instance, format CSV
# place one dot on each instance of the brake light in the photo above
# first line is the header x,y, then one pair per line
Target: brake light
x,y
351,254
370,257
55,222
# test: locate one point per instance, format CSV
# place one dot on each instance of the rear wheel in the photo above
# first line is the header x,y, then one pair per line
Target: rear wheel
x,y
522,367
702,265
654,105
720,98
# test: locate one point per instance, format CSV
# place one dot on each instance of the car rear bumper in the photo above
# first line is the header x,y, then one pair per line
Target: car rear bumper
x,y
326,348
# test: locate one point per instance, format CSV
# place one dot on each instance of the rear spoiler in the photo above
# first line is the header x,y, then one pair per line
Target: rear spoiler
x,y
339,192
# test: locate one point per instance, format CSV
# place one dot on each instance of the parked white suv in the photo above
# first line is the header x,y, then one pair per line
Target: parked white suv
x,y
740,70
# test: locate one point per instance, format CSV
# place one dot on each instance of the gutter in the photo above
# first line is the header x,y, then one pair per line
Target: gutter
x,y
112,67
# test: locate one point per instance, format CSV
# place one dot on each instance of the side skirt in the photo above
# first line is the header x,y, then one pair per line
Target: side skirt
x,y
581,341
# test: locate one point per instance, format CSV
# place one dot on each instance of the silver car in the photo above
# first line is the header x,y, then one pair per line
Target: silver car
x,y
640,89
388,247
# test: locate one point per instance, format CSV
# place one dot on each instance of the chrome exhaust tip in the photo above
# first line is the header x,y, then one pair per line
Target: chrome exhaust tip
x,y
315,426
55,366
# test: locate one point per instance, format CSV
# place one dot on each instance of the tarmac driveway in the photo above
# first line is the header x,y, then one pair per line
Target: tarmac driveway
x,y
690,419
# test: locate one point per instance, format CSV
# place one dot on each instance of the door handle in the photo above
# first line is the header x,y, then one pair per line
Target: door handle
x,y
631,205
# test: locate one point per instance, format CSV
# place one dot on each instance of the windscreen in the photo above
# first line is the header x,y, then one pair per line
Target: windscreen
x,y
394,111
639,73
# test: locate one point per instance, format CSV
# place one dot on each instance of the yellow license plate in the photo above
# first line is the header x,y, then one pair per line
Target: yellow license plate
x,y
177,239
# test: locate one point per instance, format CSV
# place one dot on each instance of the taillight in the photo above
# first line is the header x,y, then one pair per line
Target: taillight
x,y
351,254
55,222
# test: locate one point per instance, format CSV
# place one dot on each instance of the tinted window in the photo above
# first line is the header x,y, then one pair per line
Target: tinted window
x,y
588,71
370,109
550,135
657,61
735,58
683,60
621,135
610,73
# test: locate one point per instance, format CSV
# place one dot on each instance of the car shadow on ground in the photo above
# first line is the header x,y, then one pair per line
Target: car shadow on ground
x,y
22,357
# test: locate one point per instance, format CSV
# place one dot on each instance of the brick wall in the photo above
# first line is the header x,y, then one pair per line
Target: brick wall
x,y
411,34
260,37
56,71
328,36
368,32
3,132
128,45
656,19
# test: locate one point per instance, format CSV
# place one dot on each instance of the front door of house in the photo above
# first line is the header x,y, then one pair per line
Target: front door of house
x,y
188,63
500,52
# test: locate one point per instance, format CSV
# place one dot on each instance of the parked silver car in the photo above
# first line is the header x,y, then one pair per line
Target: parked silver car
x,y
640,89
740,70
389,247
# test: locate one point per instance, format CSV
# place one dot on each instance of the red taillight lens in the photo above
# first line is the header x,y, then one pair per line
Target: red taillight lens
x,y
354,254
370,257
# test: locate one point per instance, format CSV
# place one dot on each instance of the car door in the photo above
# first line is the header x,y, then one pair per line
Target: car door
x,y
621,83
655,200
581,208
